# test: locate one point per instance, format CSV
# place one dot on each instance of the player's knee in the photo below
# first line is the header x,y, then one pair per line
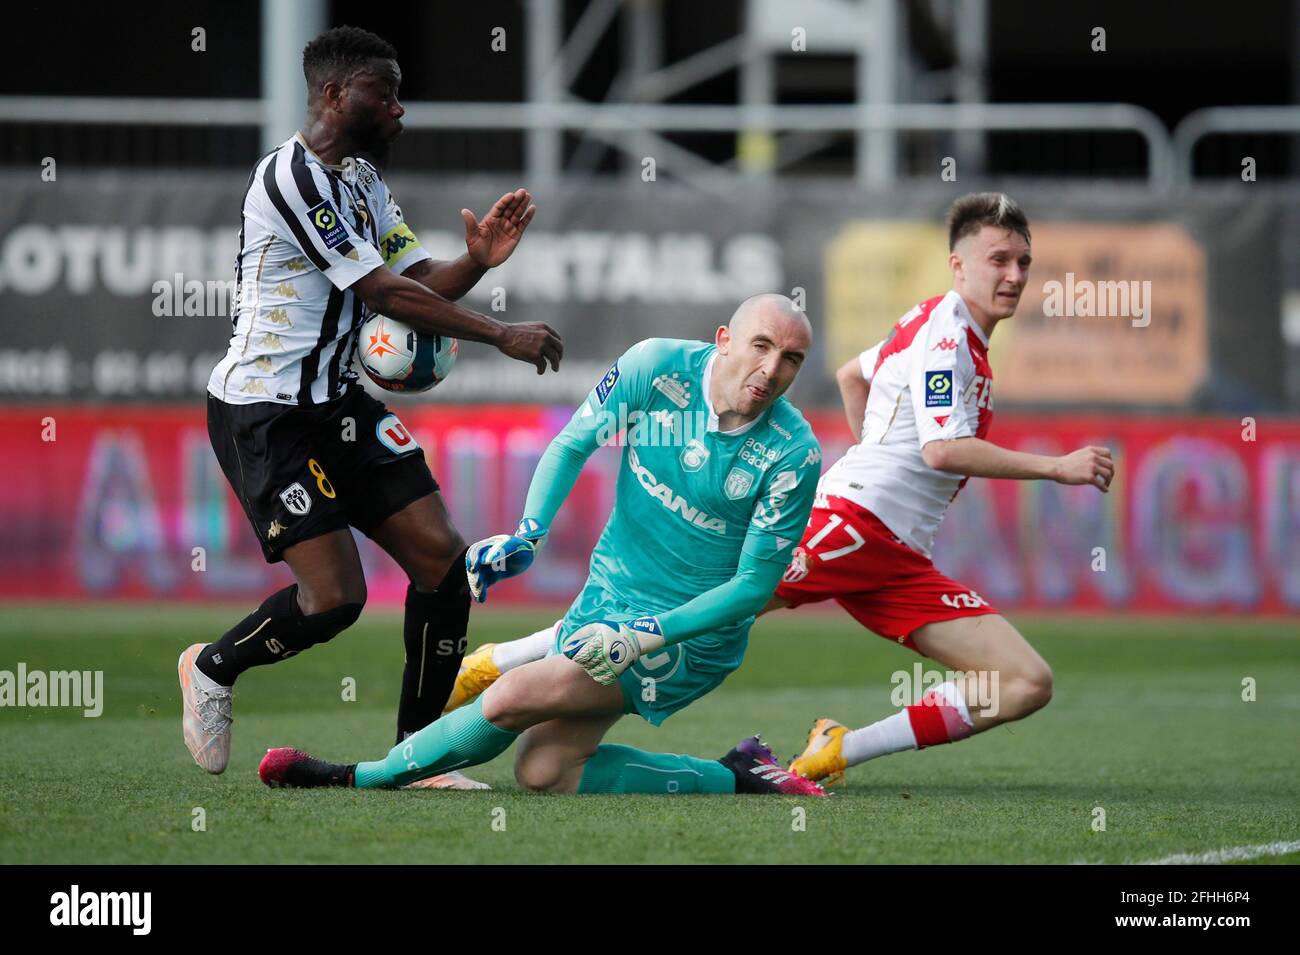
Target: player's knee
x,y
324,626
1031,690
442,568
538,773
332,595
508,704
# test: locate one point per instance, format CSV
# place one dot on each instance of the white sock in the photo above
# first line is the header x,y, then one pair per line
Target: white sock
x,y
507,656
890,735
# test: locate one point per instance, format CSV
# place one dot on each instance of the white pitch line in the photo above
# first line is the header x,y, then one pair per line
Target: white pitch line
x,y
1231,854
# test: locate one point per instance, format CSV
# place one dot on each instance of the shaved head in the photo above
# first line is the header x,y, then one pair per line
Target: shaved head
x,y
760,351
773,305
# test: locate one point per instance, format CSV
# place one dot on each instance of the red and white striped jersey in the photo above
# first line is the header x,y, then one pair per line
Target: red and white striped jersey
x,y
930,380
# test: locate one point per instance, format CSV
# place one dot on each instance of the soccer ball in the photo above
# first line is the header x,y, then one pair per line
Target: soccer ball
x,y
398,358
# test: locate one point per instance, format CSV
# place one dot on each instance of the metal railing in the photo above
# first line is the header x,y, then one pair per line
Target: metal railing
x,y
1221,120
1169,156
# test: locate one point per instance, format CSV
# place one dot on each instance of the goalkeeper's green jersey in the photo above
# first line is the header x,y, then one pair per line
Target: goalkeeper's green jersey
x,y
690,498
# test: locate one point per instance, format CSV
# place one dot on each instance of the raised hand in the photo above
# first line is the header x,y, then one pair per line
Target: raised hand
x,y
491,240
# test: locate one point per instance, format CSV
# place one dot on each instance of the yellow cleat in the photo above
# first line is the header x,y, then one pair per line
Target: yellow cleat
x,y
477,673
822,759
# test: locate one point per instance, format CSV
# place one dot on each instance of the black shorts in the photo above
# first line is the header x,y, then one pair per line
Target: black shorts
x,y
301,472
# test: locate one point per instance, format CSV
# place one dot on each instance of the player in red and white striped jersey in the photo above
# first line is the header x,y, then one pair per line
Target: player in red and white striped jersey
x,y
921,404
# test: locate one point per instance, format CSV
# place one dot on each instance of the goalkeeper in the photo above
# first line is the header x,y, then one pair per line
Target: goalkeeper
x,y
716,484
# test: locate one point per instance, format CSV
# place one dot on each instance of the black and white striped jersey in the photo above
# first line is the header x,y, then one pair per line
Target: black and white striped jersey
x,y
308,232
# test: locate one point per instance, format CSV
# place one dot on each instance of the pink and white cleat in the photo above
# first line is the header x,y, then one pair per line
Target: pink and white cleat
x,y
205,713
757,771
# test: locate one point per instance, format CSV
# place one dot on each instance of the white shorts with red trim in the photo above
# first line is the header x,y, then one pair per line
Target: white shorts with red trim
x,y
849,556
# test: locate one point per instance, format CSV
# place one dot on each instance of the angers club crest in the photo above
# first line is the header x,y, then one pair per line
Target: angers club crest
x,y
738,483
296,499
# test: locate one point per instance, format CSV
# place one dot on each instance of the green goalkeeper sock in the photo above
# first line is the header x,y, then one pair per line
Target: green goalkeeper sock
x,y
463,737
622,769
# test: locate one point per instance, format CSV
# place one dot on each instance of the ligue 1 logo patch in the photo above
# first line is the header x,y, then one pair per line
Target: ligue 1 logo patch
x,y
606,384
938,389
295,499
326,222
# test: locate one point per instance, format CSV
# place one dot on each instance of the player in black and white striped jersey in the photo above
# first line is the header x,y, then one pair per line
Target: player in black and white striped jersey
x,y
309,454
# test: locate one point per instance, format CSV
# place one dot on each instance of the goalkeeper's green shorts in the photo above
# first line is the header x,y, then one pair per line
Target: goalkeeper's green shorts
x,y
662,682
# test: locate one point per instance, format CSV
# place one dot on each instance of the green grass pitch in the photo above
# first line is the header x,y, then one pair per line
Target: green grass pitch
x,y
1148,723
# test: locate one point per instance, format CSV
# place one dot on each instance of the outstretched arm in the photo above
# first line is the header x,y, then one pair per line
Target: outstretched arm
x,y
498,558
622,389
744,595
558,469
976,457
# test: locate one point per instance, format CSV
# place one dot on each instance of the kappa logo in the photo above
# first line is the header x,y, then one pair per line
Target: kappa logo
x,y
814,456
396,243
296,499
393,435
946,344
274,530
664,419
694,455
738,483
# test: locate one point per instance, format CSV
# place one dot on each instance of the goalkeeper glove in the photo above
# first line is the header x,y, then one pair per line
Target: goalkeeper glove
x,y
506,555
606,648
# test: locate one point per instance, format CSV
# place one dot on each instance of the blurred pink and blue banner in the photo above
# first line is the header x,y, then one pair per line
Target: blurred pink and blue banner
x,y
128,502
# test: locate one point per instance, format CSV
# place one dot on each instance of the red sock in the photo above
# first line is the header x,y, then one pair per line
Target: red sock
x,y
935,720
